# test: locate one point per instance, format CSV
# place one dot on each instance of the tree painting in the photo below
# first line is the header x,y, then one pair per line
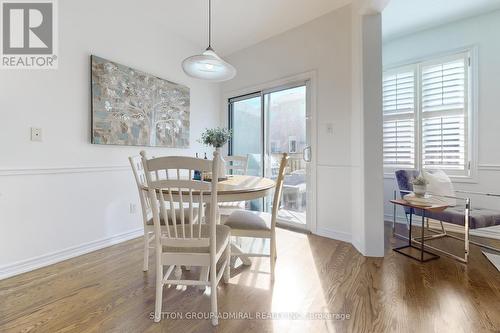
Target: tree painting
x,y
133,108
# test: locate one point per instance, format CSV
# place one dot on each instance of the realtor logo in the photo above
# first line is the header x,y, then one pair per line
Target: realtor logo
x,y
29,34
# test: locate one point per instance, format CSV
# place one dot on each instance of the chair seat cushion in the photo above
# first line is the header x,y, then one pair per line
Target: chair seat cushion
x,y
479,217
227,208
222,234
177,217
249,220
233,205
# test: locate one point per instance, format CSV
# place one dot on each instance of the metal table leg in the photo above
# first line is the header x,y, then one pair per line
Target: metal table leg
x,y
423,234
409,250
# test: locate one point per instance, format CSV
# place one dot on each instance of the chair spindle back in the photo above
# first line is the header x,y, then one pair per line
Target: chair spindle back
x,y
170,181
236,165
279,188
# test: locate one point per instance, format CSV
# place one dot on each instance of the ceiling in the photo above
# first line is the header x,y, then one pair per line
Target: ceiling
x,y
402,17
237,24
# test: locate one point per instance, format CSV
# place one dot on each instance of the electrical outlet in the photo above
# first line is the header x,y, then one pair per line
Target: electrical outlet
x,y
133,208
36,134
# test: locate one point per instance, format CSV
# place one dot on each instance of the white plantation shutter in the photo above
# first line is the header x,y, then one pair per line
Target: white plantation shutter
x,y
443,145
399,92
444,101
426,115
399,143
399,118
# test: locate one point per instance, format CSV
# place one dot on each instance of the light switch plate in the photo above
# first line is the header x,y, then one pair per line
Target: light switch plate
x,y
36,134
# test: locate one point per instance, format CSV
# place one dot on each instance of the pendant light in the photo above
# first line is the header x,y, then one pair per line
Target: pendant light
x,y
208,65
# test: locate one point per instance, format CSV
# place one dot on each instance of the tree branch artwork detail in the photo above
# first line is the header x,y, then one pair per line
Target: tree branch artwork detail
x,y
130,107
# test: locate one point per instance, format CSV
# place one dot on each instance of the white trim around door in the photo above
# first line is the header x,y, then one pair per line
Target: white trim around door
x,y
311,78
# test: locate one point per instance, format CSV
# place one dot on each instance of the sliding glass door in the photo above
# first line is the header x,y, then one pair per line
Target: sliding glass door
x,y
245,119
267,124
286,132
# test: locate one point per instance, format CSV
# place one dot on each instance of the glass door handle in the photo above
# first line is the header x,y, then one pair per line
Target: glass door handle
x,y
306,154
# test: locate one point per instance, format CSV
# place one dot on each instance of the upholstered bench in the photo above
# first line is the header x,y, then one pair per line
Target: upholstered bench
x,y
477,217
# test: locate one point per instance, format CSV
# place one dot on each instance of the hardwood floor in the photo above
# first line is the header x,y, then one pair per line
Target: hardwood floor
x,y
106,291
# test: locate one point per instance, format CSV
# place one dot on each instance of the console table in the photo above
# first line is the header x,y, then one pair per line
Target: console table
x,y
414,252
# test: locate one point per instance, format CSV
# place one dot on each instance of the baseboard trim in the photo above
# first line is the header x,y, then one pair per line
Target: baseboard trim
x,y
62,170
399,218
58,256
333,234
490,232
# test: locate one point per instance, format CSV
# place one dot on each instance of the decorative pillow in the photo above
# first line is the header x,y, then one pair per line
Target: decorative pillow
x,y
440,184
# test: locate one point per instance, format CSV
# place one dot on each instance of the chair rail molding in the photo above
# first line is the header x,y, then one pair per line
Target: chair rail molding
x,y
480,166
489,167
61,170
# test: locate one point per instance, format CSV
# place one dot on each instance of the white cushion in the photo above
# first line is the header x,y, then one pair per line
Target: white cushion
x,y
234,204
440,184
249,220
227,208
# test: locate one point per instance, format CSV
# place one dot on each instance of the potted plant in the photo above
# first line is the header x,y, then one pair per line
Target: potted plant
x,y
419,185
217,137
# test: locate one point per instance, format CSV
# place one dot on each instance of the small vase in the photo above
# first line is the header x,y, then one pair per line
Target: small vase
x,y
222,164
419,190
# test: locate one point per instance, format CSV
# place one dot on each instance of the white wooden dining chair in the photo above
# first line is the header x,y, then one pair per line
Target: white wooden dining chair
x,y
147,214
235,165
147,217
187,243
244,223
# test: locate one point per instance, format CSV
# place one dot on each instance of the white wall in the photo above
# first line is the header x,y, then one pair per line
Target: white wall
x,y
366,136
481,32
324,46
65,193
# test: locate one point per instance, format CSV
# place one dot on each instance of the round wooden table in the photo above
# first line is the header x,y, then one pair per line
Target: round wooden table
x,y
243,188
239,188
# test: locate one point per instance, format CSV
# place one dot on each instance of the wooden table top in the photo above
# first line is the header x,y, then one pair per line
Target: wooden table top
x,y
244,184
240,185
433,208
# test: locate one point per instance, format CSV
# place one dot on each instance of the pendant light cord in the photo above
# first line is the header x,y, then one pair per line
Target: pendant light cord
x,y
210,24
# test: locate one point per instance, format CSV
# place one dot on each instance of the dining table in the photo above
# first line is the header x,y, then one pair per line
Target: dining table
x,y
233,188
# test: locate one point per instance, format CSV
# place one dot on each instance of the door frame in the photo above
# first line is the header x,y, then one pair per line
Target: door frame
x,y
310,78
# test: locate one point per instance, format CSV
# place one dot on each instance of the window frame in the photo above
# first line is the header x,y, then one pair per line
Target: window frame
x,y
469,175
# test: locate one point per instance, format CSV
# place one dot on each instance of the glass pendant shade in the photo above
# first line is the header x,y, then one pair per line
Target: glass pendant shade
x,y
208,66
